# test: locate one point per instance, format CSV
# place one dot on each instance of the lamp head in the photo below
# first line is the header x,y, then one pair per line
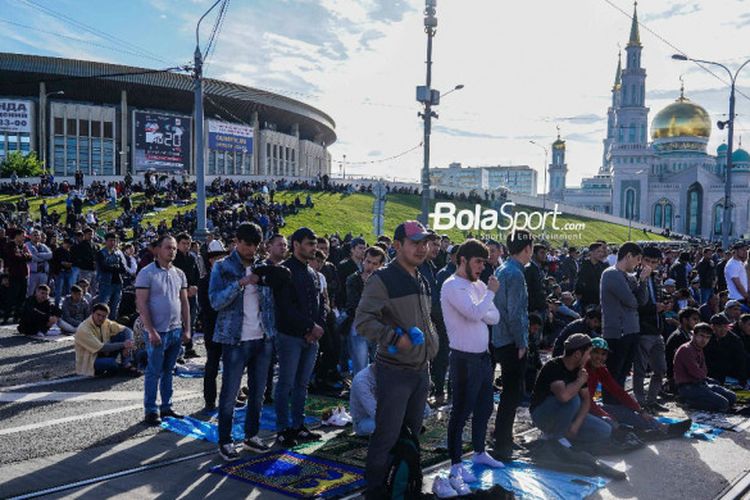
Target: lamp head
x,y
459,86
679,57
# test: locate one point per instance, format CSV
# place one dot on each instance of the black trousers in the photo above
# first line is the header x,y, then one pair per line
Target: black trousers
x,y
620,361
18,288
213,356
513,373
439,365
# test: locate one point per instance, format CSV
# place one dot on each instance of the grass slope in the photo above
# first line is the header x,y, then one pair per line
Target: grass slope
x,y
334,212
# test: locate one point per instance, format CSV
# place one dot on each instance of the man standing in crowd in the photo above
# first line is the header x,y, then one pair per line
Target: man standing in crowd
x,y
41,256
189,265
299,316
468,307
359,347
84,255
349,266
621,295
161,298
245,344
276,250
535,277
691,375
395,312
17,258
111,265
736,275
62,263
591,273
569,268
650,349
439,366
510,337
706,275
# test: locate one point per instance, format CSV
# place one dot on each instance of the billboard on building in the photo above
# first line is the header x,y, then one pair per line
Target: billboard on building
x,y
224,136
161,142
15,116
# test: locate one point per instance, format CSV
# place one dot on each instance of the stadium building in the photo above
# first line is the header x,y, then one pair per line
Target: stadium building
x,y
108,120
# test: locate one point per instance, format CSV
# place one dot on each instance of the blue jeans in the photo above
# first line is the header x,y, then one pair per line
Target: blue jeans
x,y
296,363
364,427
705,396
108,362
705,294
255,355
109,294
161,361
555,418
63,282
626,416
471,377
360,350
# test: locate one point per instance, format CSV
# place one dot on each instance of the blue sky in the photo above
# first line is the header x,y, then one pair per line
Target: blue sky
x,y
527,66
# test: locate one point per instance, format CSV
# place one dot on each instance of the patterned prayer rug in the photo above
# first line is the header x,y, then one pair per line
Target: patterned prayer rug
x,y
296,475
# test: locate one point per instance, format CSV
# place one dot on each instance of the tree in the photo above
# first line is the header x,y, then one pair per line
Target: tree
x,y
24,166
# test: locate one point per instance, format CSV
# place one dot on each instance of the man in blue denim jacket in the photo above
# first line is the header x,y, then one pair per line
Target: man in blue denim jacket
x,y
510,337
234,293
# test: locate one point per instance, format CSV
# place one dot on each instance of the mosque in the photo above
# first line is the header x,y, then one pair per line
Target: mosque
x,y
671,181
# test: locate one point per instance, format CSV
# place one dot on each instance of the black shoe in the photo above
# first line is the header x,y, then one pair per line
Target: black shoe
x,y
305,434
191,354
209,408
268,400
679,428
287,438
152,419
171,413
503,454
228,452
255,444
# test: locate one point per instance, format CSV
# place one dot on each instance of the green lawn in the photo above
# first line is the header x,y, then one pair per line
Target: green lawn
x,y
343,213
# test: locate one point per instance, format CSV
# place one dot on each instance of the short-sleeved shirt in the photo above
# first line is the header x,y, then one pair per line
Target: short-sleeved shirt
x,y
735,269
552,371
164,285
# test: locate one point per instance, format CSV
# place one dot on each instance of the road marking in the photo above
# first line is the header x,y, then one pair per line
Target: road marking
x,y
71,378
26,397
86,416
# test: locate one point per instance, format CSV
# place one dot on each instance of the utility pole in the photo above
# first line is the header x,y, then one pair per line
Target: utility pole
x,y
200,175
429,97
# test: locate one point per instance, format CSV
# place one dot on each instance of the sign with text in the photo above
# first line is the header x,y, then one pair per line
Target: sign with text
x,y
15,116
224,136
162,142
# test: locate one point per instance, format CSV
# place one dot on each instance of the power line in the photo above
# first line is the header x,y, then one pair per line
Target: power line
x,y
216,31
101,34
79,40
674,47
382,160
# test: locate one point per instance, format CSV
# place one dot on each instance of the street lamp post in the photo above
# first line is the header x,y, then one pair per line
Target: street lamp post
x,y
43,127
544,173
429,98
726,220
200,174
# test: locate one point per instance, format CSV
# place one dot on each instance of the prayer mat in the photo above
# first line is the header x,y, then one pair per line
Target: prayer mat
x,y
743,397
698,431
528,481
316,405
209,430
724,421
195,368
296,475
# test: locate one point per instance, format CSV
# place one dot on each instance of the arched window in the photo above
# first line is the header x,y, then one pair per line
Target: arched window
x,y
658,214
663,211
694,209
719,218
630,203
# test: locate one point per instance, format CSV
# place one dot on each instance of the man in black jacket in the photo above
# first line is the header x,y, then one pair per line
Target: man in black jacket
x,y
651,349
725,353
350,266
84,257
185,261
590,274
707,274
38,314
688,317
590,324
299,318
569,268
679,272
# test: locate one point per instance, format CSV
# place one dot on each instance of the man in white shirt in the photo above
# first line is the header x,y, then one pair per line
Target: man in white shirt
x,y
736,275
468,307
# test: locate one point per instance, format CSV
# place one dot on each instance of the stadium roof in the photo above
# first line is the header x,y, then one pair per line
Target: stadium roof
x,y
102,83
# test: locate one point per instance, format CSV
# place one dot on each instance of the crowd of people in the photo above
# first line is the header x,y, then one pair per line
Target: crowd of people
x,y
411,321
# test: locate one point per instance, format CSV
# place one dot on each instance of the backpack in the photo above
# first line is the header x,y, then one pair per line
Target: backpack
x,y
404,478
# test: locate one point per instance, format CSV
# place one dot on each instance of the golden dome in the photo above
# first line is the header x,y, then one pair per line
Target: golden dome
x,y
682,118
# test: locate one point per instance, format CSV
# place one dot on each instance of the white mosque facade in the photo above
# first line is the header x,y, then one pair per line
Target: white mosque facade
x,y
670,181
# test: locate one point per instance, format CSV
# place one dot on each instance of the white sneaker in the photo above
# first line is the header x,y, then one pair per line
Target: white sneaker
x,y
345,415
466,474
442,488
458,485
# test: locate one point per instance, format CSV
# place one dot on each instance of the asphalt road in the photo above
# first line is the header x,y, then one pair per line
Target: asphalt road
x,y
56,431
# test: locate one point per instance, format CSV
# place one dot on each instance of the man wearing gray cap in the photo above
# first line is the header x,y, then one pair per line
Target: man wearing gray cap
x,y
561,402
